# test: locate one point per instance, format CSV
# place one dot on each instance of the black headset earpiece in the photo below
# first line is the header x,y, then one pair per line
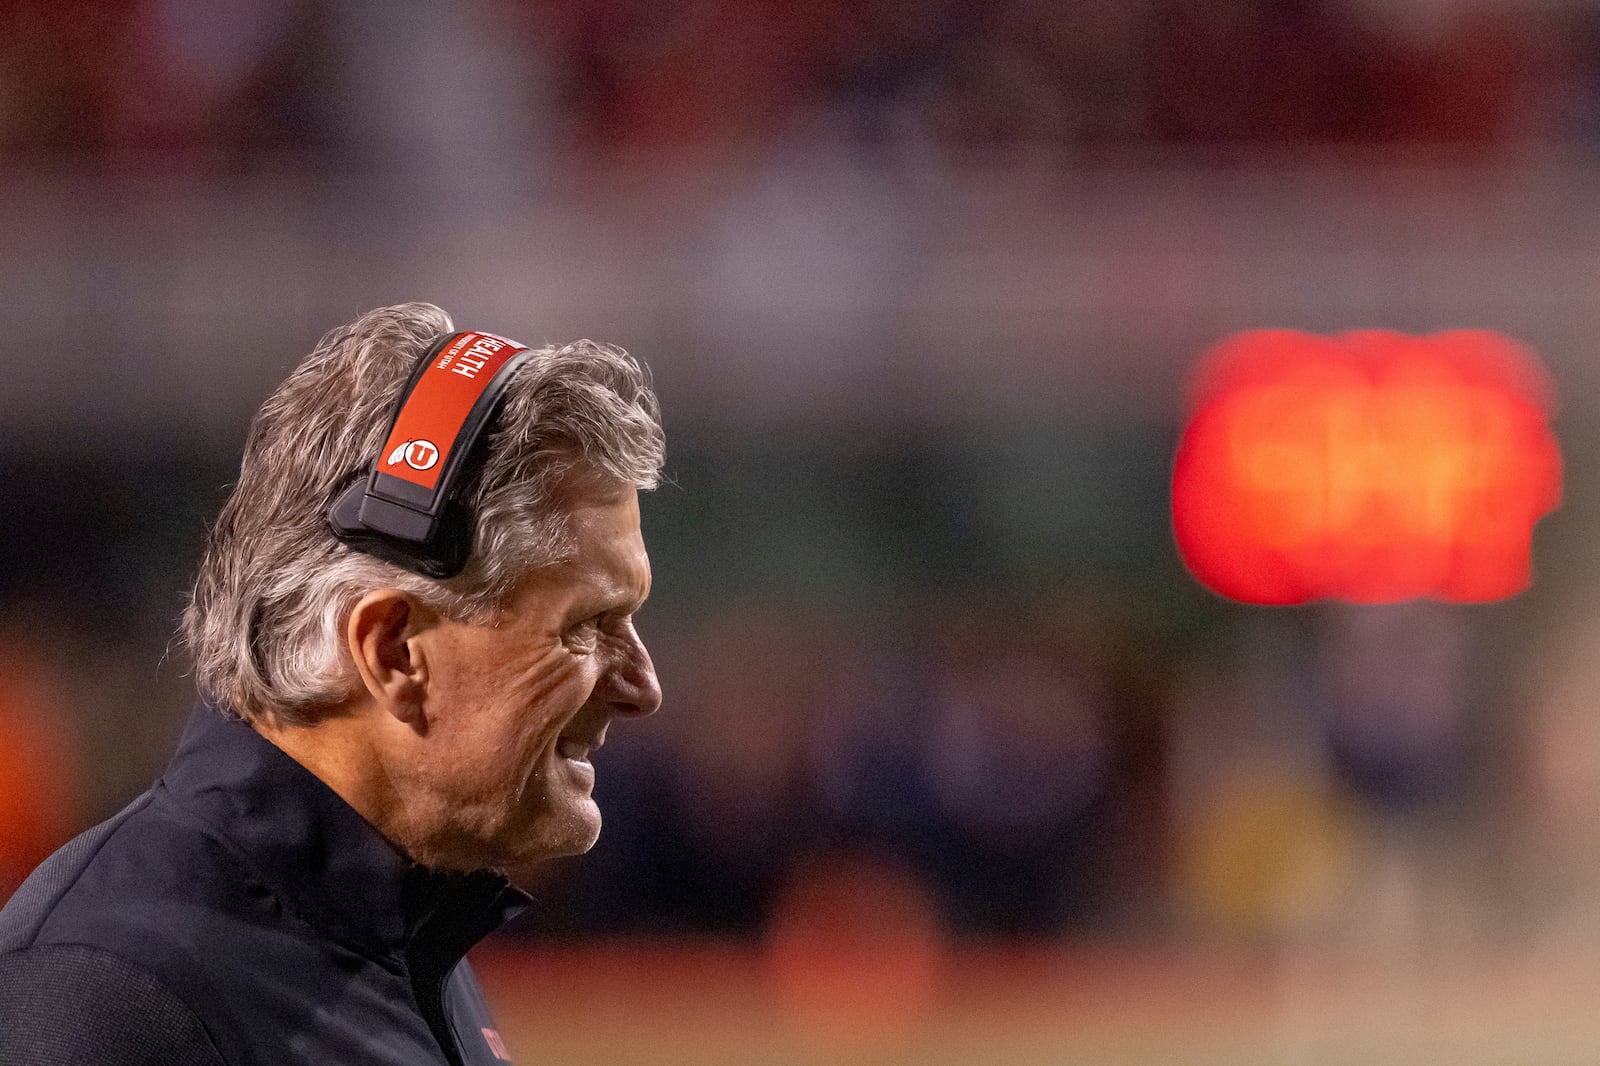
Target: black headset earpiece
x,y
405,506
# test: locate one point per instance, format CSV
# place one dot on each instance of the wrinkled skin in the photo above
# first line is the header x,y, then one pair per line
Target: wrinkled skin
x,y
469,746
522,703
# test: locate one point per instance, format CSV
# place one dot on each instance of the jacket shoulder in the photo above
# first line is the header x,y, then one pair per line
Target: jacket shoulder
x,y
150,884
75,1003
25,914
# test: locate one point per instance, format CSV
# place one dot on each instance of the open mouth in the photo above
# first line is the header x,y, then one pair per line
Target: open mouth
x,y
575,748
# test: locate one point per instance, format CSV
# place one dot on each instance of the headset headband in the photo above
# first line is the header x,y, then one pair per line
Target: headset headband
x,y
406,510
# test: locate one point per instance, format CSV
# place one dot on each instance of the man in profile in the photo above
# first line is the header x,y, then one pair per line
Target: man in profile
x,y
387,723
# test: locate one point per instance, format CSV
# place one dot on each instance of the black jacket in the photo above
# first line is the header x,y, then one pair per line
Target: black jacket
x,y
240,912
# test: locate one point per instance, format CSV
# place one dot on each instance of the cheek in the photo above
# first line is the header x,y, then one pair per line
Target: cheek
x,y
547,680
533,703
482,683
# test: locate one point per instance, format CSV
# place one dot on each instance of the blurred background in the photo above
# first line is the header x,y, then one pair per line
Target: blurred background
x,y
958,762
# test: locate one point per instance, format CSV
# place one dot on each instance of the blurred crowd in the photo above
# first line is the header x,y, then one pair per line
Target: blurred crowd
x,y
1339,777
1005,756
949,668
1015,766
166,86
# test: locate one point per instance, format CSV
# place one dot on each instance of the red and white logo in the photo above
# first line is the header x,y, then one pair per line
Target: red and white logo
x,y
496,1045
417,454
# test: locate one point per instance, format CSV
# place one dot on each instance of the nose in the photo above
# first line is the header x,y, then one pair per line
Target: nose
x,y
631,685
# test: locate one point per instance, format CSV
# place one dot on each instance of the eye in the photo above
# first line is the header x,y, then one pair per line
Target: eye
x,y
583,636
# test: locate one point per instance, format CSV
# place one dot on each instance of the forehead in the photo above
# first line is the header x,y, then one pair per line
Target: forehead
x,y
607,560
604,525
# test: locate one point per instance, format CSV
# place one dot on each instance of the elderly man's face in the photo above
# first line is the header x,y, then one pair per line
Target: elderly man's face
x,y
517,706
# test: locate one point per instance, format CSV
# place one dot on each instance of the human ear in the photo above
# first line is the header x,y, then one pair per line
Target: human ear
x,y
379,635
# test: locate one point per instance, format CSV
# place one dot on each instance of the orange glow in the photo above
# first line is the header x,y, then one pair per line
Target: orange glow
x,y
854,956
1371,467
38,782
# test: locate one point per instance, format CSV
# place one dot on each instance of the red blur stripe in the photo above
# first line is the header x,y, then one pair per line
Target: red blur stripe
x,y
704,1002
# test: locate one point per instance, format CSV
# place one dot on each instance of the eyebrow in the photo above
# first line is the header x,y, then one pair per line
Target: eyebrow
x,y
609,598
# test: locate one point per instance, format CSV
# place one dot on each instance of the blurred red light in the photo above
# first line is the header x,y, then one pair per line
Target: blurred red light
x,y
1371,467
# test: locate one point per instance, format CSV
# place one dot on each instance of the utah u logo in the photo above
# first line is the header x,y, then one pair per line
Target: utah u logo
x,y
417,454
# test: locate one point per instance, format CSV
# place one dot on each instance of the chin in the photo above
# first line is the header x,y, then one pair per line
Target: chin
x,y
557,834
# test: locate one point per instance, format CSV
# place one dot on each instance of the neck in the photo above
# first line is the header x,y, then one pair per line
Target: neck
x,y
341,751
345,749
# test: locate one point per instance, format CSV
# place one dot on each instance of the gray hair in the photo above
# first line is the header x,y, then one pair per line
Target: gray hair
x,y
264,623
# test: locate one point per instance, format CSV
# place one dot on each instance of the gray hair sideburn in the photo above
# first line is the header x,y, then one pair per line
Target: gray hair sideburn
x,y
265,621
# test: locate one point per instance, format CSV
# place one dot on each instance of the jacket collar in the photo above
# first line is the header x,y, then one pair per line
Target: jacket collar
x,y
328,863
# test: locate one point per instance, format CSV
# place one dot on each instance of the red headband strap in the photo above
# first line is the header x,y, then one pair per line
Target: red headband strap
x,y
425,432
403,508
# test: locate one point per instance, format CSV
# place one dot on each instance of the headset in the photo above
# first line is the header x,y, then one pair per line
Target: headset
x,y
407,507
